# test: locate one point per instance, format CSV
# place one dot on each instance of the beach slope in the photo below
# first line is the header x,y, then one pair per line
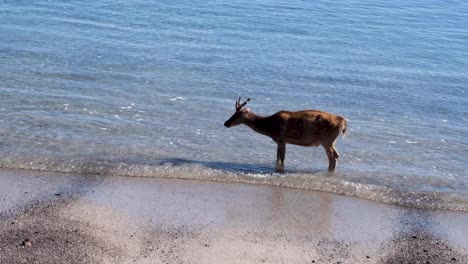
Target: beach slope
x,y
69,218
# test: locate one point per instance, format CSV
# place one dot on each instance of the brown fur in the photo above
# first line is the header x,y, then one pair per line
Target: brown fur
x,y
308,128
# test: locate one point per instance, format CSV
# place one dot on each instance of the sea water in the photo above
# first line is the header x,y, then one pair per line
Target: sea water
x,y
142,88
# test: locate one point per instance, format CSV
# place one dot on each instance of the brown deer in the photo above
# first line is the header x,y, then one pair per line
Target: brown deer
x,y
308,128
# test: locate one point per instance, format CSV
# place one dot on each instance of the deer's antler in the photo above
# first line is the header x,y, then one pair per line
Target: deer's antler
x,y
239,105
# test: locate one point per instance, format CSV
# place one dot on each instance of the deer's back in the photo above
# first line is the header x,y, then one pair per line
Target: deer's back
x,y
309,127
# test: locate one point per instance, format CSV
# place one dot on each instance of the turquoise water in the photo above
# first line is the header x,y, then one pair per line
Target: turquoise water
x,y
142,88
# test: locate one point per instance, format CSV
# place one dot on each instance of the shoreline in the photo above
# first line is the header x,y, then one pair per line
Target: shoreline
x,y
319,182
50,217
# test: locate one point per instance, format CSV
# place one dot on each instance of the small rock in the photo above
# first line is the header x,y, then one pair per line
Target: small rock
x,y
206,245
454,259
414,237
57,194
26,243
367,257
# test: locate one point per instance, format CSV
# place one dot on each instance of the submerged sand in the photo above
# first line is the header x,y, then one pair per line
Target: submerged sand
x,y
67,218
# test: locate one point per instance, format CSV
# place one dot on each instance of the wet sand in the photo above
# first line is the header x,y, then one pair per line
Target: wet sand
x,y
68,218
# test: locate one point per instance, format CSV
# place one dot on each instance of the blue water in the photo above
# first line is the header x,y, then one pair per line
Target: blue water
x,y
142,88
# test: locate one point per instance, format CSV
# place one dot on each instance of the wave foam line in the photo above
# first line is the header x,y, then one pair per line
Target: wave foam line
x,y
316,182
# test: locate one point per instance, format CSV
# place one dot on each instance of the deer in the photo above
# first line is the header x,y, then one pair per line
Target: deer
x,y
307,128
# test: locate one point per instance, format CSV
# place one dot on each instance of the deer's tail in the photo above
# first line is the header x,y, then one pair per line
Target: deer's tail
x,y
344,127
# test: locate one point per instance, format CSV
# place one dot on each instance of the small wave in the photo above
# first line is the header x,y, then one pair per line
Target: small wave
x,y
319,181
177,98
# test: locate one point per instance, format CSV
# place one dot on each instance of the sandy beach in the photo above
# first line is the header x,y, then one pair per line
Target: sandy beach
x,y
68,218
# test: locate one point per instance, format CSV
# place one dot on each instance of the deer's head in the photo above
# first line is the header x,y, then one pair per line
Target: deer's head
x,y
238,117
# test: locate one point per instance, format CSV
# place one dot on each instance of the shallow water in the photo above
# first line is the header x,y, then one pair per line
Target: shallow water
x,y
143,89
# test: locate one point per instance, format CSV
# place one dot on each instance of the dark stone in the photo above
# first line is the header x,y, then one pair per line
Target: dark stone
x,y
26,243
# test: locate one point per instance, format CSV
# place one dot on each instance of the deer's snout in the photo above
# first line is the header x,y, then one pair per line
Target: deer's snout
x,y
234,120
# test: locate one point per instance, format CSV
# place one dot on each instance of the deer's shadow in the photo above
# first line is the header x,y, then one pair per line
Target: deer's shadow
x,y
231,166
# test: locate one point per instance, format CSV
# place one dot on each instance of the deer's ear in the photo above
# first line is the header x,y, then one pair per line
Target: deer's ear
x,y
248,109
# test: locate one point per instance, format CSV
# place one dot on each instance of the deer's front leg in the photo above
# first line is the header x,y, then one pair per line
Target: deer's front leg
x,y
280,155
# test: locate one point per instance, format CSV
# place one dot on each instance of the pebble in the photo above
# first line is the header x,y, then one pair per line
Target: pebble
x,y
26,243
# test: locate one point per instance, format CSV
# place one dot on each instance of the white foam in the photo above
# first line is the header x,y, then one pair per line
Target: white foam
x,y
178,98
321,181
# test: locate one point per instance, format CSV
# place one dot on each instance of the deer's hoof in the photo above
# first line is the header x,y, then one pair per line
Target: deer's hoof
x,y
279,170
279,167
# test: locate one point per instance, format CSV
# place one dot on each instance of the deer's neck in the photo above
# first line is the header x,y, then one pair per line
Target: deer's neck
x,y
259,124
